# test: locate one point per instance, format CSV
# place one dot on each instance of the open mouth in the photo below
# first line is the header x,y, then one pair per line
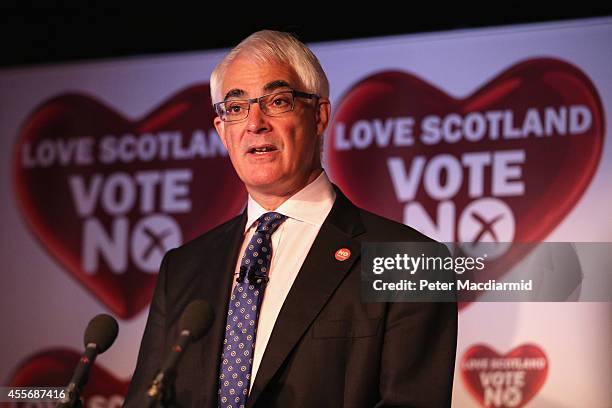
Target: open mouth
x,y
262,149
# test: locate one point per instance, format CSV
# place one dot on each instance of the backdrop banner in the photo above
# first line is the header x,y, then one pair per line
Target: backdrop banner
x,y
495,135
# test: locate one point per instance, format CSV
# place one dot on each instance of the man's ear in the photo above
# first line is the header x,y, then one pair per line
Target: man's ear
x,y
220,126
322,113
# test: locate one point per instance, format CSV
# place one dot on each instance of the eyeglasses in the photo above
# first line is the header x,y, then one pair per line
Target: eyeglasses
x,y
272,104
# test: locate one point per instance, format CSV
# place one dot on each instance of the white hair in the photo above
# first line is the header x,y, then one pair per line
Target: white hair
x,y
274,46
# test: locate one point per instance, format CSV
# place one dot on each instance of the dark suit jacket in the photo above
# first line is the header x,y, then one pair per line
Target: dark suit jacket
x,y
327,349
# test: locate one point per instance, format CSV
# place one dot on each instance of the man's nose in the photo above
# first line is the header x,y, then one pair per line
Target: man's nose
x,y
257,122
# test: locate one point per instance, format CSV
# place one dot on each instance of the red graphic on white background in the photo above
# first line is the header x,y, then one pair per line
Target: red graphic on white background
x,y
505,164
108,196
510,380
54,368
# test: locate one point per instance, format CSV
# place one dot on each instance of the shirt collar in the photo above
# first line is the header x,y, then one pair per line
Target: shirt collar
x,y
311,204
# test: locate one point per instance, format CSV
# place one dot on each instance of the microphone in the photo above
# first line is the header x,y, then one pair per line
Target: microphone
x,y
100,334
193,324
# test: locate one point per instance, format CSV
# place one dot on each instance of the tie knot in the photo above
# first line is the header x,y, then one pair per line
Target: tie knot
x,y
269,221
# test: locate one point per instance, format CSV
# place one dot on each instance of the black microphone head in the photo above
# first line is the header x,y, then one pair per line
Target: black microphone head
x,y
102,331
196,318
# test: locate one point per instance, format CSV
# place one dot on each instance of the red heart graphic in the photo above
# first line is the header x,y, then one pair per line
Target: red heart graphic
x,y
107,196
54,368
511,380
398,144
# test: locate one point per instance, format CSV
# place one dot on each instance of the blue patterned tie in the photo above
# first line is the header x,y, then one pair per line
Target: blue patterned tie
x,y
243,312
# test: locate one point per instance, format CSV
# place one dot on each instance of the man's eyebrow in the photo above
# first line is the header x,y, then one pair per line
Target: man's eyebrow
x,y
279,83
269,87
233,93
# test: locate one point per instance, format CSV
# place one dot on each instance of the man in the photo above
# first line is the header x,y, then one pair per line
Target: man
x,y
283,277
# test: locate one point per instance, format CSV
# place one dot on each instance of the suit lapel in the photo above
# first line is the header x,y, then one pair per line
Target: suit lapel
x,y
216,285
316,281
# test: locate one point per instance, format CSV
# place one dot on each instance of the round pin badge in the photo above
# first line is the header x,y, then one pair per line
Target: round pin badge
x,y
343,254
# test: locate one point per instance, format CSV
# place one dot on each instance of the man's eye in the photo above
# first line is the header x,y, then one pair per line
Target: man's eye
x,y
280,101
234,109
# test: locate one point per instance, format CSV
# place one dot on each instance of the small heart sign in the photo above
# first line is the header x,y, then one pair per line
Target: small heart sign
x,y
54,368
509,380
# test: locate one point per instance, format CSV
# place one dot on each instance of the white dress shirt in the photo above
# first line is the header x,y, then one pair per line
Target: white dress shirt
x,y
305,210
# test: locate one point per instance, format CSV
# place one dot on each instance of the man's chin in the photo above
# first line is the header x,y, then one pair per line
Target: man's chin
x,y
275,183
266,184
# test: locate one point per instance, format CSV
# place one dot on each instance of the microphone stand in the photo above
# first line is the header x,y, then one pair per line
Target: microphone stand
x,y
161,393
194,322
162,388
79,378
